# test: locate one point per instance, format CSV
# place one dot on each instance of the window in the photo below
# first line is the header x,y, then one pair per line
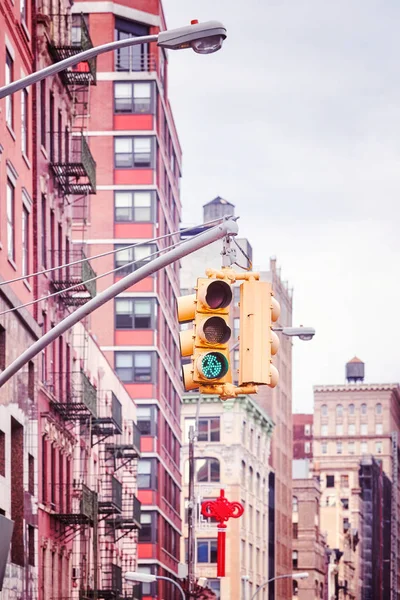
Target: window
x,y
307,429
351,448
24,122
339,410
243,475
148,530
295,530
134,58
207,551
344,481
147,589
295,588
209,430
324,448
9,99
128,260
363,409
345,503
351,429
10,220
43,112
339,448
307,447
364,447
378,428
22,7
43,232
31,474
147,420
324,429
146,468
330,481
25,241
134,152
339,429
378,447
251,479
135,367
31,545
135,313
133,97
207,469
364,429
295,559
346,525
324,410
134,206
351,409
378,409
236,328
215,586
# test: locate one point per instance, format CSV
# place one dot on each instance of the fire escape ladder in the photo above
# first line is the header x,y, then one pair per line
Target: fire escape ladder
x,y
79,403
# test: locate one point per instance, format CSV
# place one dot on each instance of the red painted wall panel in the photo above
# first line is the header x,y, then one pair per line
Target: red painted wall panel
x,y
134,230
134,176
146,285
134,337
133,122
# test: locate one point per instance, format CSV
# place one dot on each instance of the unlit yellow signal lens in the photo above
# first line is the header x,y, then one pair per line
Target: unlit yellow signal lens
x,y
219,294
216,330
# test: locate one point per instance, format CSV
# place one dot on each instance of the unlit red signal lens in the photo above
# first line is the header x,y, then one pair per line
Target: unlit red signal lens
x,y
216,330
219,294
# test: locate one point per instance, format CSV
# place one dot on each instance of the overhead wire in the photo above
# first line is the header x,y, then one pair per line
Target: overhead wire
x,y
89,258
58,292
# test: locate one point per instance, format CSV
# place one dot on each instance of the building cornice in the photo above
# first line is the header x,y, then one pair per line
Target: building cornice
x,y
250,407
360,387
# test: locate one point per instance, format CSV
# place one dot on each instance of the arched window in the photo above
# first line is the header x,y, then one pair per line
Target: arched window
x,y
207,469
351,409
295,559
251,473
243,473
316,588
295,588
258,484
295,504
378,409
324,410
363,409
321,590
339,410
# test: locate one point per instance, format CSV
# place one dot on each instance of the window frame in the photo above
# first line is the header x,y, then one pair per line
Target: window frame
x,y
136,164
133,301
210,460
135,377
153,529
134,209
25,254
25,122
9,78
211,549
10,211
150,108
151,419
129,266
152,475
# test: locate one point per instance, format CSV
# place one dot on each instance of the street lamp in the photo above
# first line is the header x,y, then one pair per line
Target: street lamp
x,y
288,576
137,577
303,333
203,38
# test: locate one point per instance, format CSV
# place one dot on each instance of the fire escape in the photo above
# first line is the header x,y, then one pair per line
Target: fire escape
x,y
119,509
75,282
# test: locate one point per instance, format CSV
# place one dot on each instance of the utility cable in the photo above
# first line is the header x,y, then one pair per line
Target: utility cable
x,y
88,258
57,293
249,268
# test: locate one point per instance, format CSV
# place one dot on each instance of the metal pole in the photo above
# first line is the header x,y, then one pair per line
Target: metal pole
x,y
174,582
191,516
267,581
228,227
71,61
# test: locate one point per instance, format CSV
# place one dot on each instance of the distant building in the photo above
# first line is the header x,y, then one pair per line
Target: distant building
x,y
308,554
302,436
353,422
231,453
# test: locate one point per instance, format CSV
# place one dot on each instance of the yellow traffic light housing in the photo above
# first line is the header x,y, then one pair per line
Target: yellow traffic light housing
x,y
257,341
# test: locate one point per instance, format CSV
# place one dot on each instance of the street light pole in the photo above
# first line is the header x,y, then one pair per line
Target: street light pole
x,y
203,38
288,576
136,576
226,228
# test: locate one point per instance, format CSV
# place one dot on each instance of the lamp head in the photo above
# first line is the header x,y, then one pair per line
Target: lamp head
x,y
204,38
137,577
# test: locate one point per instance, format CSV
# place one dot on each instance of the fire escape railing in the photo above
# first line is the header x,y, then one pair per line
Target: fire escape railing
x,y
110,502
79,401
69,36
81,509
75,168
80,276
105,426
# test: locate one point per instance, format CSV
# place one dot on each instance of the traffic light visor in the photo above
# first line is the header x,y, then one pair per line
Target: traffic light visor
x,y
213,365
216,294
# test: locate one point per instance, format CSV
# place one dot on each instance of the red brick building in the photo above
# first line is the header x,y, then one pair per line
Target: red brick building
x,y
303,436
132,136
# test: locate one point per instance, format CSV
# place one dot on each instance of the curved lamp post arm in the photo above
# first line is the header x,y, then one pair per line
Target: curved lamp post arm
x,y
174,582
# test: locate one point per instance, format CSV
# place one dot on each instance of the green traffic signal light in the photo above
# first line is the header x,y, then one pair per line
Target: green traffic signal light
x,y
213,365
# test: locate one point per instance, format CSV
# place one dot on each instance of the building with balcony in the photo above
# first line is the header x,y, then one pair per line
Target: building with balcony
x,y
231,452
353,422
133,140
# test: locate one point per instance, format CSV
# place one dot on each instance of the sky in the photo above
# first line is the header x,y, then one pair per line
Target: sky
x,y
296,121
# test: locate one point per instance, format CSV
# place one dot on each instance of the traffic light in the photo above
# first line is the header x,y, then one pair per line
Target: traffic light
x,y
207,341
257,341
